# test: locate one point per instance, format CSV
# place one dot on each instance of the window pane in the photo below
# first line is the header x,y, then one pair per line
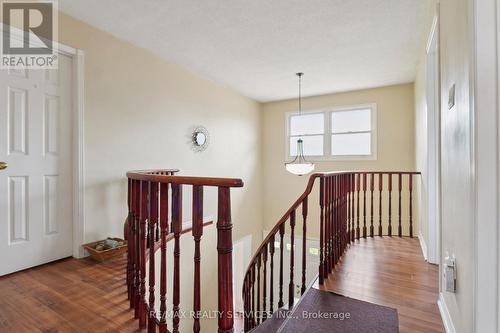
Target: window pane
x,y
307,124
351,144
313,145
351,121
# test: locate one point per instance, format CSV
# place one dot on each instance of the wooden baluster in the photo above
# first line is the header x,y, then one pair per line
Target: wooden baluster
x,y
157,234
137,248
153,221
389,230
264,286
328,224
258,290
225,266
143,218
147,234
335,239
176,229
353,184
245,304
248,308
343,217
371,203
347,211
128,234
280,300
331,225
358,186
340,218
364,205
197,231
380,187
131,242
348,198
304,245
345,220
163,252
335,222
271,275
400,229
291,285
252,281
321,228
410,187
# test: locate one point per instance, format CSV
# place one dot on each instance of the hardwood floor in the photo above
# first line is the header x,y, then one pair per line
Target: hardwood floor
x,y
67,296
391,272
81,296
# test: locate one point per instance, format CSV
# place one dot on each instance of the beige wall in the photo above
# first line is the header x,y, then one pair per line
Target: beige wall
x,y
139,111
395,122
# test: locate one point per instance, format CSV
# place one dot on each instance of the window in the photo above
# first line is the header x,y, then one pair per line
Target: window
x,y
340,133
311,128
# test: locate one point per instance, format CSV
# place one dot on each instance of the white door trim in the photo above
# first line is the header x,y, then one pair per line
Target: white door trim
x,y
433,160
484,106
78,57
79,154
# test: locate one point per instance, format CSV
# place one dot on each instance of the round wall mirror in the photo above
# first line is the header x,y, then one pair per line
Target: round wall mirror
x,y
200,139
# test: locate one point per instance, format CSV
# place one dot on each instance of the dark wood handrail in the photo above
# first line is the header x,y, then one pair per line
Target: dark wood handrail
x,y
155,176
308,190
339,227
155,202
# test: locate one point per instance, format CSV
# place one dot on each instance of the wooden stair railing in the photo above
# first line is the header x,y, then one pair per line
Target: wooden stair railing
x,y
155,217
340,196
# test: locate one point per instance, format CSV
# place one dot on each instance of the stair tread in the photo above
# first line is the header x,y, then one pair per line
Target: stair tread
x,y
272,324
363,317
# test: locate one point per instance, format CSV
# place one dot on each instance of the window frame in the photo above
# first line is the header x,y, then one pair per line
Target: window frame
x,y
327,133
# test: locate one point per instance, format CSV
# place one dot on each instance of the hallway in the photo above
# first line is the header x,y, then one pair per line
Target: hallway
x,y
391,271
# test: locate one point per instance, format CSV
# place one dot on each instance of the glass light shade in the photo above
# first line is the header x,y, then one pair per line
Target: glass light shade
x,y
299,166
299,169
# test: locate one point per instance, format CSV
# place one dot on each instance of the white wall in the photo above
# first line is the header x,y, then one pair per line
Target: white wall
x,y
469,134
421,142
486,168
457,159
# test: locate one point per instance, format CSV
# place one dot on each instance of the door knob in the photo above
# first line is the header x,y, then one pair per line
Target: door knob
x,y
3,165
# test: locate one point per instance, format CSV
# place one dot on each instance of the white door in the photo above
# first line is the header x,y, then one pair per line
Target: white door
x,y
36,205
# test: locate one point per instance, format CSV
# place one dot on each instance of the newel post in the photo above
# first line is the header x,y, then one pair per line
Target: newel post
x,y
225,268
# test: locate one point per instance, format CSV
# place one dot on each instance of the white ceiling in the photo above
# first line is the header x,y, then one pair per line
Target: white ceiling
x,y
256,46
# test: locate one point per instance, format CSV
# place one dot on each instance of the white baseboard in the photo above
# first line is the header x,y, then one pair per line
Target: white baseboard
x,y
423,245
445,315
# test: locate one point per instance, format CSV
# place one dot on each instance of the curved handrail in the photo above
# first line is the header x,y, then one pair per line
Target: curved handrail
x,y
310,185
337,193
157,176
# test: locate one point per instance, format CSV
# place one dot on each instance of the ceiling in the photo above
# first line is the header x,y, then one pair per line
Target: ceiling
x,y
256,46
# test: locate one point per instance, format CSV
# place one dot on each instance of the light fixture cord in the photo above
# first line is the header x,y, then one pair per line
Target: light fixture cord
x,y
300,93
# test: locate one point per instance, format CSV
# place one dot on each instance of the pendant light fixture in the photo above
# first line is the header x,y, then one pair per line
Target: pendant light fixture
x,y
299,166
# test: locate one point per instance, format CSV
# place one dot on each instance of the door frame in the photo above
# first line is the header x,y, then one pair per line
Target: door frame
x,y
78,158
434,132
